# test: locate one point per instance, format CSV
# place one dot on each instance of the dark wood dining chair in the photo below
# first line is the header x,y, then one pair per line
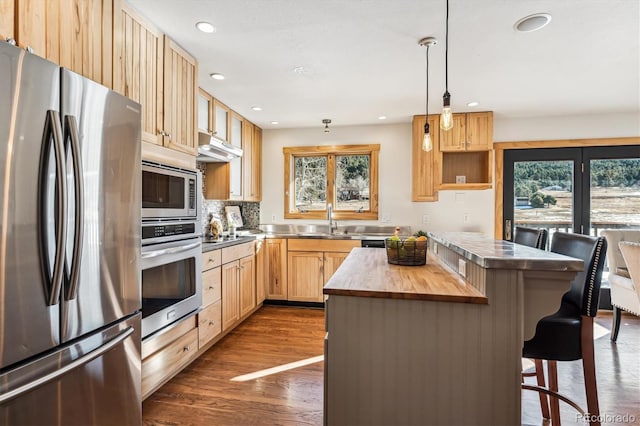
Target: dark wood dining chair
x,y
531,237
567,335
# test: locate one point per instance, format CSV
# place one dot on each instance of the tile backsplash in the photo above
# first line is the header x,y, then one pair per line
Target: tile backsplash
x,y
250,212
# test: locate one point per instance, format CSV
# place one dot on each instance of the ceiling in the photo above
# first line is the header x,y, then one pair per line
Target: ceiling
x,y
360,59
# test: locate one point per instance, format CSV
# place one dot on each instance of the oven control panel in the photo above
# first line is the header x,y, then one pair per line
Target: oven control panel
x,y
154,231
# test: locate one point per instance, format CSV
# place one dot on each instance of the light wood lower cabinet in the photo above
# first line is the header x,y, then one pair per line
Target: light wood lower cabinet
x,y
230,294
311,263
209,323
166,354
260,270
276,269
247,285
306,276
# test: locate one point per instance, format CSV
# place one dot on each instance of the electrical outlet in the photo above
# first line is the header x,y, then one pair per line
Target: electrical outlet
x,y
386,218
462,268
273,218
426,219
461,179
465,218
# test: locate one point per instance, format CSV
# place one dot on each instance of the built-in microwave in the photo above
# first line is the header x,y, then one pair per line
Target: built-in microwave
x,y
168,192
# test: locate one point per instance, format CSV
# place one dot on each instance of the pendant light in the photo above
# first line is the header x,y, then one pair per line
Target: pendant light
x,y
446,118
426,140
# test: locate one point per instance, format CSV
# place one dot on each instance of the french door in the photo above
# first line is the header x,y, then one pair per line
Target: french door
x,y
580,190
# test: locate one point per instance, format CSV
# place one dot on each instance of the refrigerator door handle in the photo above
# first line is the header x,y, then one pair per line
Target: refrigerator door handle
x,y
71,132
101,350
53,130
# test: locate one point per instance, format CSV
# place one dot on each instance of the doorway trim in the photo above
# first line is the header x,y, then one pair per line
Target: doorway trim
x,y
500,147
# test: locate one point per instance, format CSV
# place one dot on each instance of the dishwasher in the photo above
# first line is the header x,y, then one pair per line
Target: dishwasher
x,y
373,243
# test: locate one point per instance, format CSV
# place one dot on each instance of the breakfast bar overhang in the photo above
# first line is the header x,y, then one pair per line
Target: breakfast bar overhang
x,y
440,343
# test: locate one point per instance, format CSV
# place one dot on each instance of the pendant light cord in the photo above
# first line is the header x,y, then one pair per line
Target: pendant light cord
x,y
446,52
426,103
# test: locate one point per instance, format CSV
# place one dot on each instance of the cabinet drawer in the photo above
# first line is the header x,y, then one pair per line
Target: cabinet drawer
x,y
152,344
211,259
229,254
211,286
167,361
209,323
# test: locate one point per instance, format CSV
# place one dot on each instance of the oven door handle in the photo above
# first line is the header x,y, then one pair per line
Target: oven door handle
x,y
171,250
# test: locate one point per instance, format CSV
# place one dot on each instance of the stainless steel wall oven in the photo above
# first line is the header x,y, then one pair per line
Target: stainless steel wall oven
x,y
171,245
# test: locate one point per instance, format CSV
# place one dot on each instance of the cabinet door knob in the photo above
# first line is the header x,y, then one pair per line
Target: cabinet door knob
x,y
186,349
210,287
211,323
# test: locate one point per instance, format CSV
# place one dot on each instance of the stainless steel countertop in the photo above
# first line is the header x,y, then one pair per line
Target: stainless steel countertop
x,y
209,245
499,254
348,232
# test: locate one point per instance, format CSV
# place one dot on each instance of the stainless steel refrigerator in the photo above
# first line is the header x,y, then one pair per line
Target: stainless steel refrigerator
x,y
69,247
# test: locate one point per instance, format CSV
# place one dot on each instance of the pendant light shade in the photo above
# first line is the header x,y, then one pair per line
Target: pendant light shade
x,y
446,118
426,140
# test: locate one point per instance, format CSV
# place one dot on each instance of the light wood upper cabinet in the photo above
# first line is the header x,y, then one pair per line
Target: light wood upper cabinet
x,y
236,166
471,131
180,88
424,177
153,70
276,269
252,158
7,19
205,112
221,116
138,68
76,34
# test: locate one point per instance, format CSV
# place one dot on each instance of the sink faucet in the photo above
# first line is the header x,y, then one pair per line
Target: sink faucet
x,y
332,225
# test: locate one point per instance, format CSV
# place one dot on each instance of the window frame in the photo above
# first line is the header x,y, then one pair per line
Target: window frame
x,y
331,151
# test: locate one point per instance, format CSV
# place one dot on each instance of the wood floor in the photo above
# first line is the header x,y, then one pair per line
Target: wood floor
x,y
204,394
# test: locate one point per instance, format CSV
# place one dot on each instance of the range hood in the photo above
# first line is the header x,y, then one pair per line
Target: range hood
x,y
214,150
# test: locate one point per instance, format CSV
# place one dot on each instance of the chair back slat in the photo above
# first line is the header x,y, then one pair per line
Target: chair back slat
x,y
584,294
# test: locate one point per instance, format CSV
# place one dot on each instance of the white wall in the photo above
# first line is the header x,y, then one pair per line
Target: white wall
x,y
448,213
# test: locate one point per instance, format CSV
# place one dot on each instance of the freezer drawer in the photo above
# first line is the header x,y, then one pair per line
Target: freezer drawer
x,y
93,381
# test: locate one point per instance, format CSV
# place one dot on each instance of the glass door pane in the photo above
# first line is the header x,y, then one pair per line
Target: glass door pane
x,y
614,189
539,189
543,195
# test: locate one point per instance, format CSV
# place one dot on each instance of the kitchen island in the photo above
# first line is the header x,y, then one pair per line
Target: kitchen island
x,y
440,343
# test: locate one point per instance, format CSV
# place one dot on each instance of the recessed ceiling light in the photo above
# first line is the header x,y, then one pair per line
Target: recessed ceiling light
x,y
382,117
532,22
216,76
256,108
275,122
299,70
205,27
473,104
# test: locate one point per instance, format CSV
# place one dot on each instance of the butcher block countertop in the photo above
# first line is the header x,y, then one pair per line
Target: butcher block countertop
x,y
366,273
